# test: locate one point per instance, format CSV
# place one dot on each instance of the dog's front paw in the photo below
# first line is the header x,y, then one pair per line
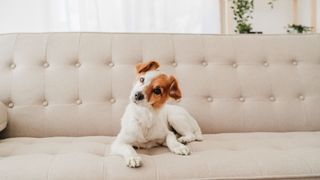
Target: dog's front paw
x,y
182,150
185,139
134,162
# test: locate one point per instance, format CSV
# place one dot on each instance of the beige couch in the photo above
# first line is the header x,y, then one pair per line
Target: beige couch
x,y
256,98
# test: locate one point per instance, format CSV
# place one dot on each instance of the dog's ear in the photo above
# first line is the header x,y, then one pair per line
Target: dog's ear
x,y
174,90
148,66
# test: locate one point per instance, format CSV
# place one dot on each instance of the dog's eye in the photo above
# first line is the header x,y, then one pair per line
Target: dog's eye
x,y
142,79
157,90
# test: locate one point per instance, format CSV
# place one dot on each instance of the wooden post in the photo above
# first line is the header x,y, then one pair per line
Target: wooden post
x,y
229,16
313,7
222,17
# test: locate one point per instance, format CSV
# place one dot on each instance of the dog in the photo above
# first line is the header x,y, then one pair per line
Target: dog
x,y
148,121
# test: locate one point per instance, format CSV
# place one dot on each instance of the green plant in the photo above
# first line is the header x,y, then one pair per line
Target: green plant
x,y
298,28
242,11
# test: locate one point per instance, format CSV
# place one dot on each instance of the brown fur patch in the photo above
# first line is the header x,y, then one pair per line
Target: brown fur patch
x,y
168,86
142,68
174,90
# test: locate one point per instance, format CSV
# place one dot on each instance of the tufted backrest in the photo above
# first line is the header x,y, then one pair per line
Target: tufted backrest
x,y
74,84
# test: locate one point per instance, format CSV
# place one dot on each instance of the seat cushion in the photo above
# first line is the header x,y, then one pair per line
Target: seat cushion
x,y
219,156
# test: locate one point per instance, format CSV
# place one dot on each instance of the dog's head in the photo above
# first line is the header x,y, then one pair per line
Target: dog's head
x,y
153,88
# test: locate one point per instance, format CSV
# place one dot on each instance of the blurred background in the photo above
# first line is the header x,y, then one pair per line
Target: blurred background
x,y
168,16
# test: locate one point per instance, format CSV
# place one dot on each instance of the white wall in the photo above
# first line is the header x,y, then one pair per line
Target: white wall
x,y
304,12
15,15
183,16
272,21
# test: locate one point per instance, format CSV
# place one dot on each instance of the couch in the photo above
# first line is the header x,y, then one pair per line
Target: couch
x,y
256,98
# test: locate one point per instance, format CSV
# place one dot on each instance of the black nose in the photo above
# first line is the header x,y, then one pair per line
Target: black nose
x,y
139,96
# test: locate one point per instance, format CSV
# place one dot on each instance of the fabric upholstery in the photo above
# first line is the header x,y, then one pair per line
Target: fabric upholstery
x,y
77,84
219,156
3,116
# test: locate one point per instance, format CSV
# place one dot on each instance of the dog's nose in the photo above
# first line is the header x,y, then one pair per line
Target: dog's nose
x,y
139,96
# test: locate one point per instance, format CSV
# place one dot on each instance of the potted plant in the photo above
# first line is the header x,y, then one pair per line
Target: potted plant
x,y
298,28
242,11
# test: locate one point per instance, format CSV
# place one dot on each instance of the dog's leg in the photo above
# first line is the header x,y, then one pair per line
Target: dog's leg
x,y
175,146
128,153
187,138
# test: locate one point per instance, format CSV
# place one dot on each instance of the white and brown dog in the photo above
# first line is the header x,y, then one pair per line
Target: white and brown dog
x,y
148,120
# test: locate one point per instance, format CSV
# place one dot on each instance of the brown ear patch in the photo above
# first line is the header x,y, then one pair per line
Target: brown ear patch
x,y
142,68
174,90
169,88
160,81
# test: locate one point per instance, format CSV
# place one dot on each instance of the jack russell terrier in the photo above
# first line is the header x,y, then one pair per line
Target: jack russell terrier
x,y
148,121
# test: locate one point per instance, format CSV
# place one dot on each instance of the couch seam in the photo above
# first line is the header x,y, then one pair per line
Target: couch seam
x,y
111,85
275,121
303,102
45,89
264,177
55,155
104,164
78,81
13,61
156,168
103,167
239,80
51,164
173,46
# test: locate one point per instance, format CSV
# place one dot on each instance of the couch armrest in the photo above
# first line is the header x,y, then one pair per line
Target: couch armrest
x,y
3,116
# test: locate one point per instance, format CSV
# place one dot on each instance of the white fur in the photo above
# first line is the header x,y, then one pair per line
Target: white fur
x,y
184,124
145,127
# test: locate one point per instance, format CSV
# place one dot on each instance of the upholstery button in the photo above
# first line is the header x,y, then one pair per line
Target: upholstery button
x,y
79,101
266,64
13,65
234,65
11,105
242,99
111,64
204,63
45,103
45,64
301,97
209,99
272,98
294,62
78,64
174,63
112,100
